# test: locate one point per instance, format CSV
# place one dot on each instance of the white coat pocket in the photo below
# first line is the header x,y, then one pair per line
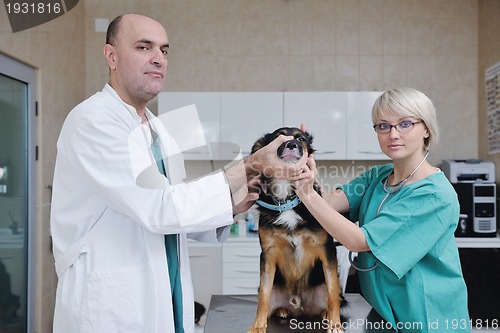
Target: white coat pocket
x,y
119,300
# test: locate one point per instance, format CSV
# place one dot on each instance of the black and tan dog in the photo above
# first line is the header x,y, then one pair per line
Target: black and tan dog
x,y
298,262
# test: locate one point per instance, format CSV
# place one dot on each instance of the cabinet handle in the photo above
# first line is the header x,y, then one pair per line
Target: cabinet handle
x,y
325,152
246,271
370,152
198,256
246,256
243,152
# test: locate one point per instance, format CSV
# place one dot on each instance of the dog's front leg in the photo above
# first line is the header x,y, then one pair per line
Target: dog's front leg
x,y
267,271
334,298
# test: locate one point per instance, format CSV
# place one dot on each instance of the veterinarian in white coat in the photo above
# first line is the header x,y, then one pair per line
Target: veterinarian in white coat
x,y
108,231
109,216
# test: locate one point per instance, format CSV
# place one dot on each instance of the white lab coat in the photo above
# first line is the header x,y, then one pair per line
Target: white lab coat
x,y
108,231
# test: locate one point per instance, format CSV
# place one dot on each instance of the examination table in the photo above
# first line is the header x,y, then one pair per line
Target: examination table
x,y
236,313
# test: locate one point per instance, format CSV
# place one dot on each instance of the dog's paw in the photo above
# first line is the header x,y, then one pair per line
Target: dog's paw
x,y
282,313
254,329
337,328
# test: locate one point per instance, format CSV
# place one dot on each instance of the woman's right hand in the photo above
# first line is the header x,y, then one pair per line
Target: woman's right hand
x,y
304,182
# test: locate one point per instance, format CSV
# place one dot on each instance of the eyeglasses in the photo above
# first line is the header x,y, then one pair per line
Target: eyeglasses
x,y
402,127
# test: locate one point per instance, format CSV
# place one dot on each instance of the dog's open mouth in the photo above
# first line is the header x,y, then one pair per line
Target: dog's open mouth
x,y
290,151
290,158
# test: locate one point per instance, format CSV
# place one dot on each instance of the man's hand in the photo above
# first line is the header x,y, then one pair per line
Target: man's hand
x,y
249,200
244,191
244,178
265,161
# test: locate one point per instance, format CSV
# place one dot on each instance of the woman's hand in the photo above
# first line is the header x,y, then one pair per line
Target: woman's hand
x,y
304,182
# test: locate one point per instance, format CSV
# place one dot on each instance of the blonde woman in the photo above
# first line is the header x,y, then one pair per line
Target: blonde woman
x,y
409,267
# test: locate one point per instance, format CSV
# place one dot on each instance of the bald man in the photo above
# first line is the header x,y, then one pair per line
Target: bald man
x,y
120,247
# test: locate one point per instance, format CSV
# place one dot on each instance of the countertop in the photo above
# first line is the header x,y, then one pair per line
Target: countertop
x,y
236,313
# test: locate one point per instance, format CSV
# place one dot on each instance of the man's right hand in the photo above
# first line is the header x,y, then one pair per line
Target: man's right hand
x,y
266,161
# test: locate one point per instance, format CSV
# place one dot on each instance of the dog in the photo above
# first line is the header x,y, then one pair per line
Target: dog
x,y
298,261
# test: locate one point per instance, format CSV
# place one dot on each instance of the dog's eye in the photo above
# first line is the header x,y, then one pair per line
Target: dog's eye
x,y
300,139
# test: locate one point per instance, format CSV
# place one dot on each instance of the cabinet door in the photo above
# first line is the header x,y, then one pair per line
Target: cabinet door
x,y
362,142
245,117
325,116
206,271
241,267
240,286
208,107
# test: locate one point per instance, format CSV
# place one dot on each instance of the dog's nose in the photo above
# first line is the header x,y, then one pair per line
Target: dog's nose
x,y
291,144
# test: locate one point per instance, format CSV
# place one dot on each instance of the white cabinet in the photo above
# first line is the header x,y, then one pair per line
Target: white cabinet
x,y
246,116
339,121
208,107
324,114
362,142
206,270
241,266
229,268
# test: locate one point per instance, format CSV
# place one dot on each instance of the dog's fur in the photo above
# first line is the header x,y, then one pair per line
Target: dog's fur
x,y
298,262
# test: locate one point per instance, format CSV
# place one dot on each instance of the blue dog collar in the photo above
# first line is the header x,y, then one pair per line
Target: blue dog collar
x,y
281,206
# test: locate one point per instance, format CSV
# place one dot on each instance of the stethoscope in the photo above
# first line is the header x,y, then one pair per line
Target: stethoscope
x,y
388,189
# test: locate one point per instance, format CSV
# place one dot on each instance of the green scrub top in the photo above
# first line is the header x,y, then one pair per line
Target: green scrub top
x,y
418,285
171,247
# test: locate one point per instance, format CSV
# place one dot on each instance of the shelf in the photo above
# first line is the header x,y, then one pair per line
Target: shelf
x,y
251,237
462,242
478,242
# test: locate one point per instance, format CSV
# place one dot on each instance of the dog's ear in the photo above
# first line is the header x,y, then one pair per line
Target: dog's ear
x,y
262,142
264,187
256,146
309,139
264,184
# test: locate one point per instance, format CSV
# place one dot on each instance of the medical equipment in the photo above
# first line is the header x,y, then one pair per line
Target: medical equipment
x,y
474,182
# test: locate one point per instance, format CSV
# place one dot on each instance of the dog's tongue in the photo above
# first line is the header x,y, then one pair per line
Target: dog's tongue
x,y
290,158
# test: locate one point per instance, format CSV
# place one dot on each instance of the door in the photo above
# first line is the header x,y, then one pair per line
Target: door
x,y
16,96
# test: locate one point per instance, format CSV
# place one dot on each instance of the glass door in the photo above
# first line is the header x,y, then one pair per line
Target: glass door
x,y
15,200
